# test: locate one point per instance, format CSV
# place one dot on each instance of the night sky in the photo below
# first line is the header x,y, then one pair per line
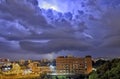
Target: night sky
x,y
34,29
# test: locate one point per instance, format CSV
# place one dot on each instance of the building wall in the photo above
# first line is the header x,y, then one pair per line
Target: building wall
x,y
88,61
45,69
73,65
34,67
39,69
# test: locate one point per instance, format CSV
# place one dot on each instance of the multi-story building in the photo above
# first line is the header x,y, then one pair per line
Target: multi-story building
x,y
11,68
74,65
34,66
45,69
37,68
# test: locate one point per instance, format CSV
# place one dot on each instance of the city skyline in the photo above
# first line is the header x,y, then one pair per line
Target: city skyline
x,y
34,29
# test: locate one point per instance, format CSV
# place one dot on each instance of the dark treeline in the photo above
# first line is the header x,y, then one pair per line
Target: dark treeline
x,y
109,70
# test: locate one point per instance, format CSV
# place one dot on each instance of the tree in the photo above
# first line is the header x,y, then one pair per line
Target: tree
x,y
94,75
109,70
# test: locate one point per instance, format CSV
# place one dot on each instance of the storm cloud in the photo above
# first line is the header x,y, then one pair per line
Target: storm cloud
x,y
40,27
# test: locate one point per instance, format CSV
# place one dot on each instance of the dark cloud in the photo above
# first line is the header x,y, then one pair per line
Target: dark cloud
x,y
55,45
112,42
8,46
87,26
21,10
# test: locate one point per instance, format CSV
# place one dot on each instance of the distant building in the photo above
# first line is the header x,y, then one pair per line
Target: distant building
x,y
45,69
34,66
22,62
74,65
11,68
4,60
6,67
29,61
44,60
16,69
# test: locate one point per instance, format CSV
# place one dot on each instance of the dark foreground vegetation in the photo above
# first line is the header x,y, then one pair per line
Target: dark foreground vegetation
x,y
109,70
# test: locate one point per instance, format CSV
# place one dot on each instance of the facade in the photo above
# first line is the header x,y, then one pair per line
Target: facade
x,y
22,62
44,69
11,68
4,60
74,65
34,66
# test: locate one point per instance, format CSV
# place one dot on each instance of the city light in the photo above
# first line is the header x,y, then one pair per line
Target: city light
x,y
52,68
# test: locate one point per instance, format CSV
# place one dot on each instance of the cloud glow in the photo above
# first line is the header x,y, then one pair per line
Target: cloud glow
x,y
46,5
61,5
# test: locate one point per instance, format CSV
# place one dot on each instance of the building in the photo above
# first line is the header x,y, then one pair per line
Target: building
x,y
45,69
22,62
34,66
4,60
74,65
11,68
6,67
